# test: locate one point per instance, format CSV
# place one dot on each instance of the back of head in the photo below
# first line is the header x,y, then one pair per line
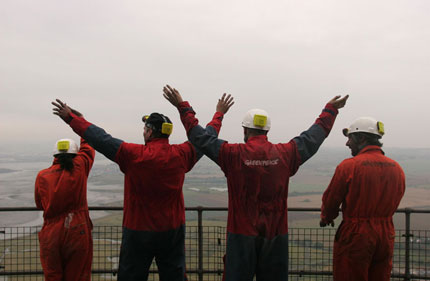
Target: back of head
x,y
366,128
65,150
257,119
160,124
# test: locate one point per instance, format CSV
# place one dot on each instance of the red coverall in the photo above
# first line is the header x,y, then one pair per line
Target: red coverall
x,y
154,211
369,186
66,247
258,173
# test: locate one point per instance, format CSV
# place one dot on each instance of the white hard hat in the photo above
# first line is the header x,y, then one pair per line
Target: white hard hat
x,y
257,119
65,146
365,125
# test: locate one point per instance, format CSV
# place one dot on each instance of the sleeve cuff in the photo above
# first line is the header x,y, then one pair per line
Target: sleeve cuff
x,y
78,124
72,116
330,108
219,115
184,107
184,104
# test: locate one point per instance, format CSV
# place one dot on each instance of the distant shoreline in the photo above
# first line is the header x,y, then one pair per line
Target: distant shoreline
x,y
5,170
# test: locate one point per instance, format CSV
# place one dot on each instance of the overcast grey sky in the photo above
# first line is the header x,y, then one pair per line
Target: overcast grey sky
x,y
110,60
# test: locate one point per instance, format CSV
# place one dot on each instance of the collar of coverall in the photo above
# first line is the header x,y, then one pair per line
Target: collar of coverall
x,y
371,148
156,141
258,138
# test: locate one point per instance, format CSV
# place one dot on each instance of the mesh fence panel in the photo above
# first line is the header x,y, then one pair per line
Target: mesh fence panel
x,y
310,249
420,252
19,252
310,253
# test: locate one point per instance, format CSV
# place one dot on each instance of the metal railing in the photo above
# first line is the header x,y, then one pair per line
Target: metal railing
x,y
310,249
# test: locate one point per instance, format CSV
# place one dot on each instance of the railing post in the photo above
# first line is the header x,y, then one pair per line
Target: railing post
x,y
200,236
407,235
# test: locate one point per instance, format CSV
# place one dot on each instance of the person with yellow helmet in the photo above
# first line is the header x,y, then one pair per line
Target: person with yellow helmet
x,y
257,174
66,245
369,187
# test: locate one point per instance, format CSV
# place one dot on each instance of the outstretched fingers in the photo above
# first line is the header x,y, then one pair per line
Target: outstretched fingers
x,y
168,94
170,88
58,103
56,111
58,107
339,102
229,100
333,100
224,103
172,95
62,110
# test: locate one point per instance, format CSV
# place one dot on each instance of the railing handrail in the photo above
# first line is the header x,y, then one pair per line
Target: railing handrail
x,y
408,275
202,208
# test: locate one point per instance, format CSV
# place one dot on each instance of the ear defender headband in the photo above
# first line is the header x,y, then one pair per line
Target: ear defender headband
x,y
166,127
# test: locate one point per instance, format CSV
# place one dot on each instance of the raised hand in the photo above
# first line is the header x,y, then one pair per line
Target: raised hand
x,y
63,110
224,103
338,102
172,95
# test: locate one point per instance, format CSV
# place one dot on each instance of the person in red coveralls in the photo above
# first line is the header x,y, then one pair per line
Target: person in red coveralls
x,y
257,174
154,212
369,186
66,245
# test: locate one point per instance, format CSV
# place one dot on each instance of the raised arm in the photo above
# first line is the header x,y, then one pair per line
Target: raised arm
x,y
310,140
86,154
95,136
204,139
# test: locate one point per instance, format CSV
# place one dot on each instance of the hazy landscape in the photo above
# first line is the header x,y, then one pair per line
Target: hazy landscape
x,y
205,185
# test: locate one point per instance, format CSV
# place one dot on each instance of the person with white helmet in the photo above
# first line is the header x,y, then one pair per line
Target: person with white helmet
x,y
257,174
66,246
369,187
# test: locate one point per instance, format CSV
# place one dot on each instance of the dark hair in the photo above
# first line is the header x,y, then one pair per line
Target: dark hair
x,y
370,139
66,161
